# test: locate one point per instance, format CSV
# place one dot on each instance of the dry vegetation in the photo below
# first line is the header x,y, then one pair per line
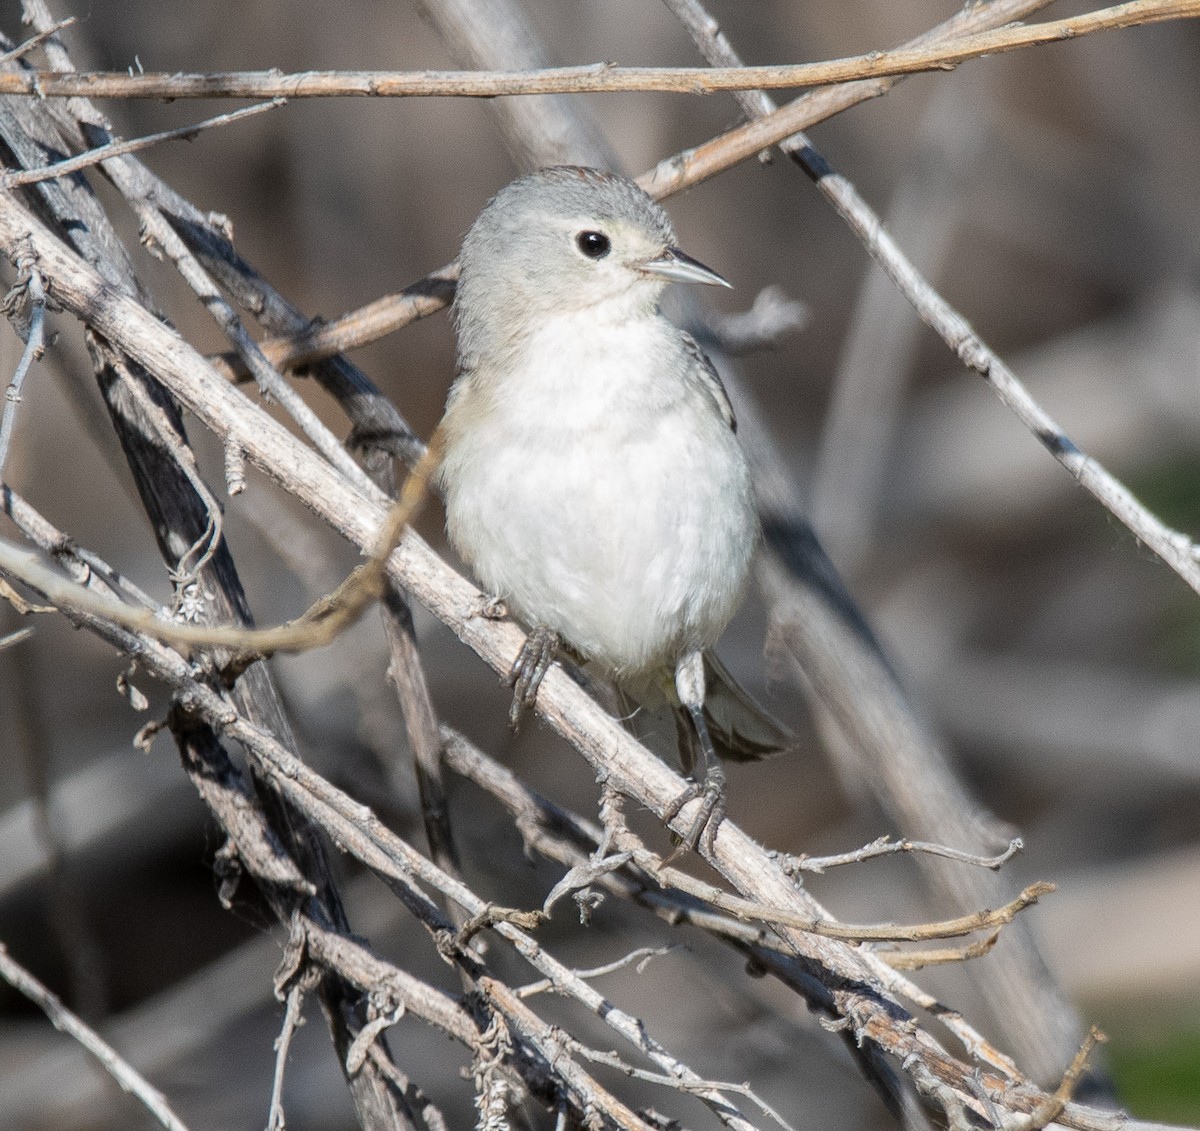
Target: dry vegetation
x,y
481,928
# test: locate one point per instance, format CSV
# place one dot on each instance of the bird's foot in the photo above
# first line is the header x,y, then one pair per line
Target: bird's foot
x,y
530,668
493,608
703,830
710,791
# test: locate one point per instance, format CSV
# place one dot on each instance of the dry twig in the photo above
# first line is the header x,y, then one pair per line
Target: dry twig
x,y
27,290
133,145
885,846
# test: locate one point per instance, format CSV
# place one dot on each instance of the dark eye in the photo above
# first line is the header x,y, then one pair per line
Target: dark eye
x,y
595,245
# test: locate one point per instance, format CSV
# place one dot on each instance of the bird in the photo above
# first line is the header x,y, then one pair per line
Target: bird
x,y
591,472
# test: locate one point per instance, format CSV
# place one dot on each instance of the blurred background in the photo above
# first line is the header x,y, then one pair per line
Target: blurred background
x,y
1052,195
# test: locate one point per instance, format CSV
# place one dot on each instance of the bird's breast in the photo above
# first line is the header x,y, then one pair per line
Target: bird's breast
x,y
600,493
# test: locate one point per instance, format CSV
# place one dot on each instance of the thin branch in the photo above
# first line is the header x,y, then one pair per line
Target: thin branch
x,y
611,1060
292,1020
918,959
1053,1106
16,637
885,846
641,956
358,328
110,1060
320,624
187,568
593,78
29,287
752,911
36,40
117,148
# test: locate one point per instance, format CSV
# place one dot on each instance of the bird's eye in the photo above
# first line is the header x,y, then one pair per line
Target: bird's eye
x,y
595,245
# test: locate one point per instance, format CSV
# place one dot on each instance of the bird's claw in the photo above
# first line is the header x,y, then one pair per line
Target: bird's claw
x,y
703,830
529,669
493,608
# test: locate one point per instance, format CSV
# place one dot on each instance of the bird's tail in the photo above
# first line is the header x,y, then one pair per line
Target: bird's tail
x,y
740,728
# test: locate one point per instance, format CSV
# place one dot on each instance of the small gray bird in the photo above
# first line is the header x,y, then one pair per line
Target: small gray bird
x,y
592,476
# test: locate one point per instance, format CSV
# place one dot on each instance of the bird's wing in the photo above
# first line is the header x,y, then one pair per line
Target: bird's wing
x,y
710,380
741,728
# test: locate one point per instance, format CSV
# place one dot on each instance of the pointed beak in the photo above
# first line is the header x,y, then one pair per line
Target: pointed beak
x,y
679,267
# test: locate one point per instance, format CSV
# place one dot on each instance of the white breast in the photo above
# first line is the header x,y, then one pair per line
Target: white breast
x,y
599,492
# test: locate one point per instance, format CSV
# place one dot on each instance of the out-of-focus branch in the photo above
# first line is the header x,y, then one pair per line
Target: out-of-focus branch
x,y
113,1063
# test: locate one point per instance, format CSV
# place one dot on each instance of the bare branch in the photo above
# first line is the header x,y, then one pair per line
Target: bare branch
x,y
885,846
36,40
595,78
918,959
110,1060
323,621
292,1020
1053,1106
118,148
28,289
12,638
359,327
751,911
641,956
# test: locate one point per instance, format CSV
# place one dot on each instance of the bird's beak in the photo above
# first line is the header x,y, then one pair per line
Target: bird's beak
x,y
679,267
